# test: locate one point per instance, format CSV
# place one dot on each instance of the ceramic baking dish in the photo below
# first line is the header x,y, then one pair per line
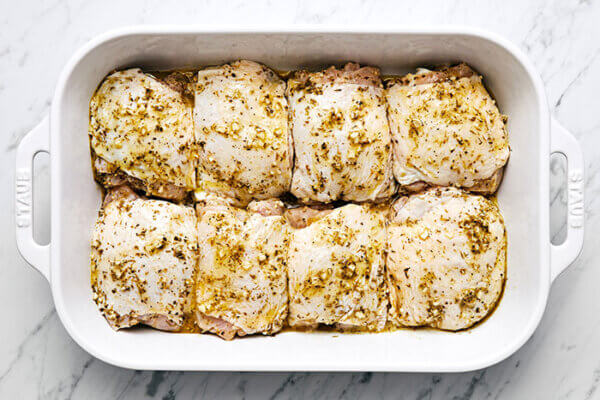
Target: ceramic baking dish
x,y
533,263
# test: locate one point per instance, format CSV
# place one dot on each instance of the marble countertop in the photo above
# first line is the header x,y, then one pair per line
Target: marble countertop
x,y
38,359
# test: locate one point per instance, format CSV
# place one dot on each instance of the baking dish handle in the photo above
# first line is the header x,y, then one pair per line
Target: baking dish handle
x,y
562,255
38,256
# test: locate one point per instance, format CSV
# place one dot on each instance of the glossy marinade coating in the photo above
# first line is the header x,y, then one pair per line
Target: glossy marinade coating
x,y
141,133
341,135
336,268
144,253
446,261
241,286
447,130
241,123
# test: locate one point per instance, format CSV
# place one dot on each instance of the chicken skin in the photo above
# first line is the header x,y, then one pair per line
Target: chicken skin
x,y
292,179
446,259
143,257
447,131
341,135
241,287
141,134
242,131
336,268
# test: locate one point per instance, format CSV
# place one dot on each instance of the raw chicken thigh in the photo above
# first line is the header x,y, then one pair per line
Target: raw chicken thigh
x,y
446,259
141,134
143,257
241,286
341,135
336,268
335,145
447,131
241,127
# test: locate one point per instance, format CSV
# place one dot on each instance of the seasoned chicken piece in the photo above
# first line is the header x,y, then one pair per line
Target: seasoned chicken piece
x,y
446,130
242,131
267,208
120,193
341,135
143,257
336,269
241,286
183,82
446,259
301,217
141,134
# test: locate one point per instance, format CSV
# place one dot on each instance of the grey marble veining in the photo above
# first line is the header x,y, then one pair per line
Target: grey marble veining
x,y
560,361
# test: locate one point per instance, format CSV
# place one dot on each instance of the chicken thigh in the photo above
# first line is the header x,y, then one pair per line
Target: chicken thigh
x,y
336,268
141,134
446,130
144,253
241,286
446,259
341,135
241,122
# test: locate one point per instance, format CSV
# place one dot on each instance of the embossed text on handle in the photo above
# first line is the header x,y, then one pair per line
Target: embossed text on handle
x,y
23,198
575,187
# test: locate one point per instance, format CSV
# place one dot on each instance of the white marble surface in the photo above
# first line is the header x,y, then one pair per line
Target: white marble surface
x,y
39,360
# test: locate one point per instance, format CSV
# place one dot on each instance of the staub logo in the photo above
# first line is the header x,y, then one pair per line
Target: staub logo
x,y
23,198
576,210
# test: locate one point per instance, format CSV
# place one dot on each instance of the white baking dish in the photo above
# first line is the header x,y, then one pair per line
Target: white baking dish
x,y
523,197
